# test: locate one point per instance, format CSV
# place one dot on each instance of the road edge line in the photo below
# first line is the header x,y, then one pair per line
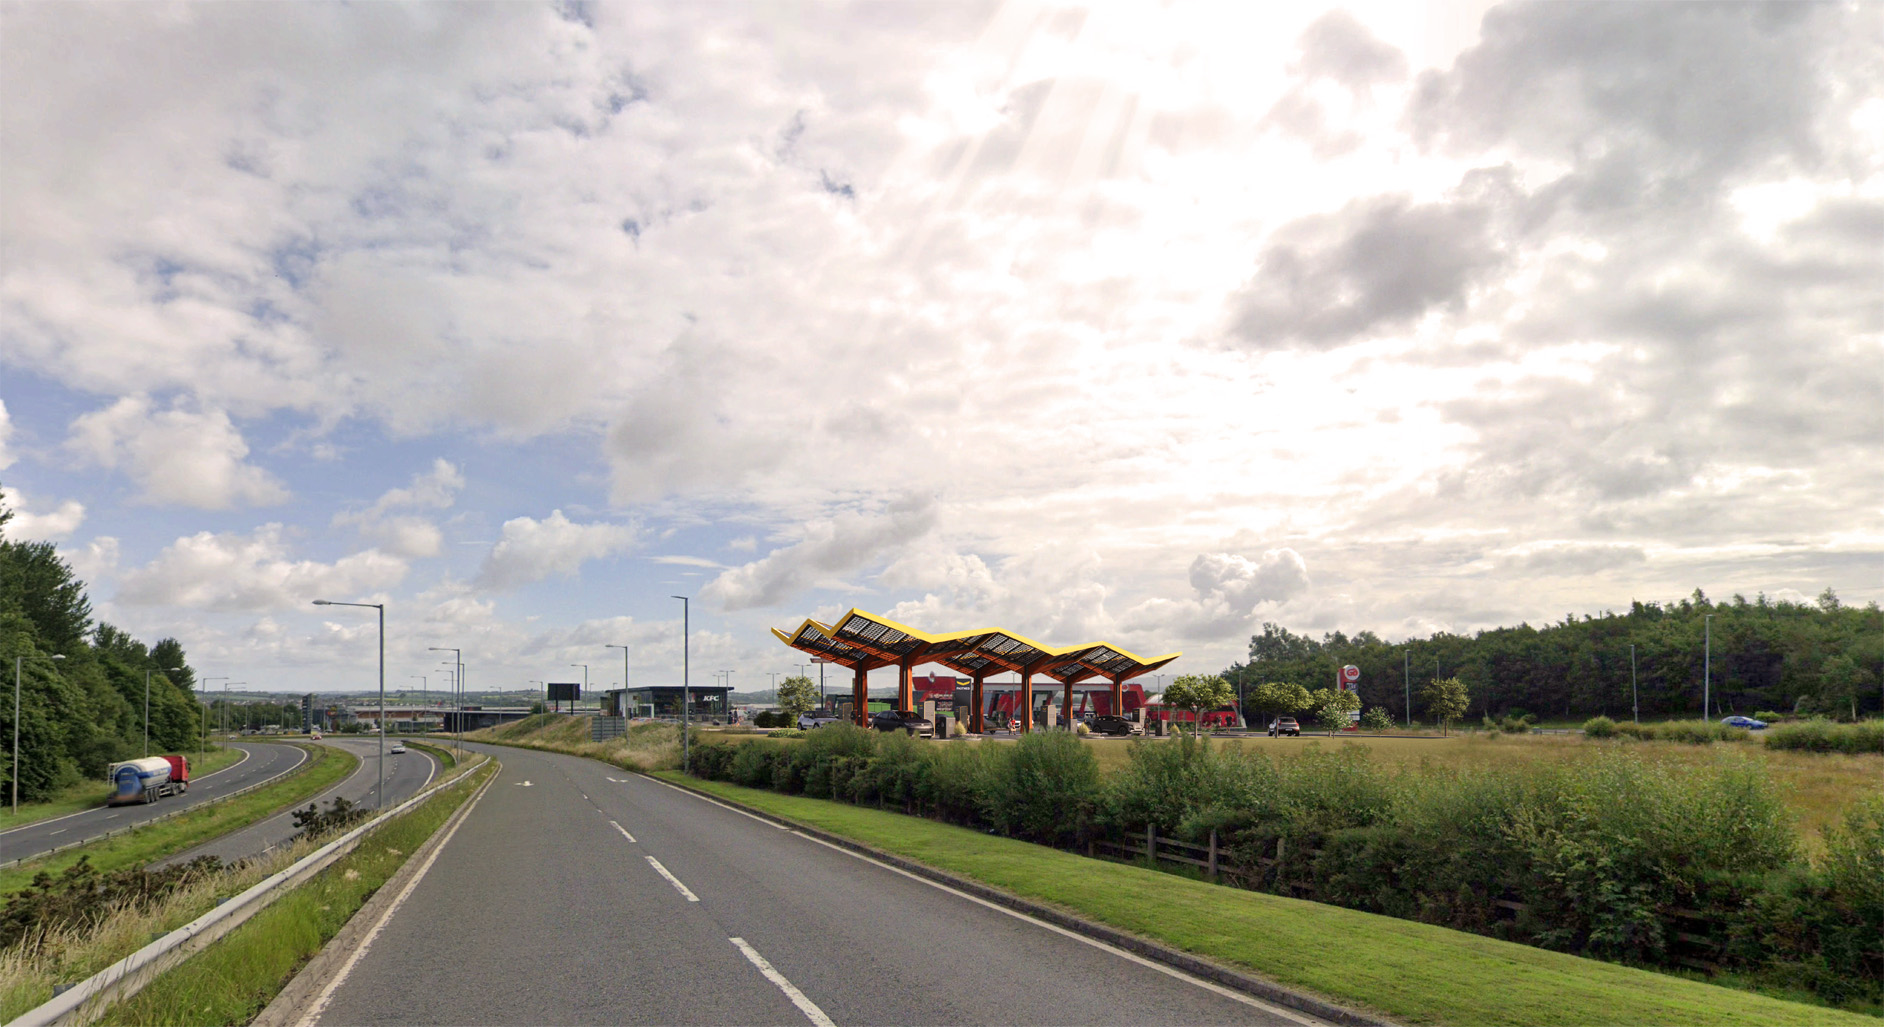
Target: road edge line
x,y
1196,966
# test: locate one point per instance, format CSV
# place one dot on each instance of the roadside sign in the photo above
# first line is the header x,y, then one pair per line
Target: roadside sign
x,y
1356,715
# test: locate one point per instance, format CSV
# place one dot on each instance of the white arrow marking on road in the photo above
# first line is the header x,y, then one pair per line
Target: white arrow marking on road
x,y
805,1005
671,879
525,784
624,831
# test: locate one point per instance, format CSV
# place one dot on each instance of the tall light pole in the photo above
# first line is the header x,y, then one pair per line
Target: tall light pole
x,y
686,694
1635,704
17,660
585,678
425,690
1707,662
379,796
167,670
624,670
457,687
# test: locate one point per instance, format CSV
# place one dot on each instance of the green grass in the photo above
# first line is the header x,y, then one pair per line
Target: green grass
x,y
1410,972
443,755
87,794
237,976
179,833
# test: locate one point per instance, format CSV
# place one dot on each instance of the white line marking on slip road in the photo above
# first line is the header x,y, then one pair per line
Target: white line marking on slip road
x,y
623,830
716,802
59,831
671,879
805,1005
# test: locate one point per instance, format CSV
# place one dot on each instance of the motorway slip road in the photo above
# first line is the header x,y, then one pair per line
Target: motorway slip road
x,y
264,762
405,775
576,893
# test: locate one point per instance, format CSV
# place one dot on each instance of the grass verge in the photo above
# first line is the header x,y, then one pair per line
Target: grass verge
x,y
87,794
187,830
237,976
443,755
1410,972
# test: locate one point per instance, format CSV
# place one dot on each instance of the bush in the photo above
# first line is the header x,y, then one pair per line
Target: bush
x,y
1599,727
788,732
1049,790
1769,716
1377,719
1818,735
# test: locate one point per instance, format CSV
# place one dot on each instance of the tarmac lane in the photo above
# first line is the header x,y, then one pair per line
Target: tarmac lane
x,y
575,893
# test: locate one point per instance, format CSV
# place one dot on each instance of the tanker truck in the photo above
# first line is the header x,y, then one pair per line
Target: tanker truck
x,y
148,779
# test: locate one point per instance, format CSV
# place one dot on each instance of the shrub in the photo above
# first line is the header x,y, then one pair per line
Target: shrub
x,y
1769,716
788,732
1819,735
1599,727
1377,719
1048,791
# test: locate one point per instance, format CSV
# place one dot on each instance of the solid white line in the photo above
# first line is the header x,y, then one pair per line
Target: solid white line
x,y
805,1005
671,879
716,802
313,1014
624,831
1169,971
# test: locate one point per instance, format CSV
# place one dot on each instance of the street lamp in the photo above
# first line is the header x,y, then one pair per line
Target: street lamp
x,y
225,703
624,669
585,679
379,797
457,687
17,660
686,695
167,670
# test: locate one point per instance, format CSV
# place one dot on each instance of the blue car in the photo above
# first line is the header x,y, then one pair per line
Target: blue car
x,y
1747,722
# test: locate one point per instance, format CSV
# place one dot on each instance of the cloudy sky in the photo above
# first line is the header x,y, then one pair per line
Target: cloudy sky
x,y
1139,322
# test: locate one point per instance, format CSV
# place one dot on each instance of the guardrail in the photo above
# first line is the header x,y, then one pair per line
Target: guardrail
x,y
126,977
289,774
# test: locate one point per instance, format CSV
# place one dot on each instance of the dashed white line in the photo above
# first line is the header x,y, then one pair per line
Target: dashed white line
x,y
623,830
805,1005
59,831
671,879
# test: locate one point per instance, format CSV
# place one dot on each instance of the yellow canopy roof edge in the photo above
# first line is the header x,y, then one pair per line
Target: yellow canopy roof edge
x,y
829,632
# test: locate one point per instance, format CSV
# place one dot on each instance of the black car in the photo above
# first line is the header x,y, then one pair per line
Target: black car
x,y
892,720
1110,725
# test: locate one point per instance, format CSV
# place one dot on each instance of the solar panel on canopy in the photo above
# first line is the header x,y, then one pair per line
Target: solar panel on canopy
x,y
861,639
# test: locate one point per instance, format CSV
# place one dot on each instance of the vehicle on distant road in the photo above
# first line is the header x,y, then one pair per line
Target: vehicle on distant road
x,y
1108,724
894,720
148,779
397,748
1284,726
1747,722
817,718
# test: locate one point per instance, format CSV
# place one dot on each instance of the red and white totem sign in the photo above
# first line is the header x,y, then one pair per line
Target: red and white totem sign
x,y
1350,677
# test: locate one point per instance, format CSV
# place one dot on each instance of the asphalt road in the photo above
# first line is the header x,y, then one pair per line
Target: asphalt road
x,y
405,774
574,893
265,760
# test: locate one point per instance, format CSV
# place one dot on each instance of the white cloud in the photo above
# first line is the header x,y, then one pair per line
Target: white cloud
x,y
6,437
531,550
51,526
830,549
251,573
403,533
178,456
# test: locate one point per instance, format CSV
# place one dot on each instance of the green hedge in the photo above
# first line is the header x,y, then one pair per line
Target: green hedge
x,y
1824,736
1600,853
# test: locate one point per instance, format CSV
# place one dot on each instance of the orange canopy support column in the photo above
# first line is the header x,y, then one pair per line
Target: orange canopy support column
x,y
1118,697
1066,705
860,696
1026,711
974,716
905,691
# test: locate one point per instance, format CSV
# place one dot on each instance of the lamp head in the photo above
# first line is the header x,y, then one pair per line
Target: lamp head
x,y
322,602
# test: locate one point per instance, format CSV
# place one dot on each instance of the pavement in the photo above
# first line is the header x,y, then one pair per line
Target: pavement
x,y
576,893
265,760
405,775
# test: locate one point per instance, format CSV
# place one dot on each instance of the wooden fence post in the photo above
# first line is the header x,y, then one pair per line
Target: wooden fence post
x,y
1151,844
1213,854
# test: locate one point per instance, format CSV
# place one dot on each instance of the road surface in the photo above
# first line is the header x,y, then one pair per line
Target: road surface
x,y
265,760
575,893
405,774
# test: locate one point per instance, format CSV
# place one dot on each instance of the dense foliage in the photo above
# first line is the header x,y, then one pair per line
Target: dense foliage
x,y
79,713
1825,658
1611,856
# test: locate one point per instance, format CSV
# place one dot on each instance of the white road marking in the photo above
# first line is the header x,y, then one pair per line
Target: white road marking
x,y
114,816
623,830
525,784
59,831
671,879
327,994
716,802
805,1005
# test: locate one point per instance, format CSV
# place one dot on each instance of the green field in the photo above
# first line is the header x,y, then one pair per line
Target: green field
x,y
1407,971
87,794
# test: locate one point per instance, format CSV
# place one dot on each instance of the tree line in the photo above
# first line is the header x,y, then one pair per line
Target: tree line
x,y
85,709
1824,658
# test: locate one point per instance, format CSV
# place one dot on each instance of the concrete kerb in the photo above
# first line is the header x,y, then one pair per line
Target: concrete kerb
x,y
1217,973
292,772
300,992
126,977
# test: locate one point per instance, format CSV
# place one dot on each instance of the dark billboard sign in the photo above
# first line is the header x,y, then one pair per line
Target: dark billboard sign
x,y
565,691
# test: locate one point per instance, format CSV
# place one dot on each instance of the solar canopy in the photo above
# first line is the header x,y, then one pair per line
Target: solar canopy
x,y
864,641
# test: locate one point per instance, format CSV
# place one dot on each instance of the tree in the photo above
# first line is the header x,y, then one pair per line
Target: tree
x,y
1377,719
1199,693
1332,707
1446,699
1280,697
796,695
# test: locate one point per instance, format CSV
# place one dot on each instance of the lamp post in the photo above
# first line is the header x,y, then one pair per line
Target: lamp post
x,y
379,795
585,679
167,670
1707,662
457,687
686,694
624,669
17,660
1635,705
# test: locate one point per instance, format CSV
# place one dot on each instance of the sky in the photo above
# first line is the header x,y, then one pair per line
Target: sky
x,y
1146,323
